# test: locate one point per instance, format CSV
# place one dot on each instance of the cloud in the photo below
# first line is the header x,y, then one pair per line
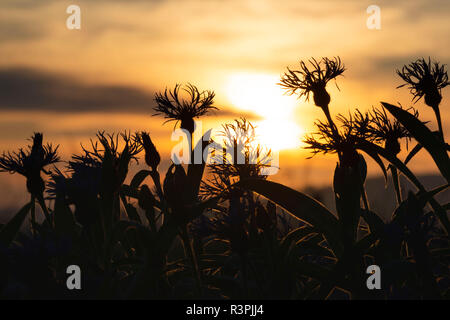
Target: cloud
x,y
38,90
30,89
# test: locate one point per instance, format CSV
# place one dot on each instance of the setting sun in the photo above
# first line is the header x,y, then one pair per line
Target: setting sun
x,y
260,94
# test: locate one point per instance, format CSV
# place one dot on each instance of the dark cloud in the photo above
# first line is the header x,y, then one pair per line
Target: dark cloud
x,y
392,63
37,90
11,30
28,89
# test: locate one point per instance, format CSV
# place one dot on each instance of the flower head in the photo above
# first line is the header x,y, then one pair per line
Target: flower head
x,y
30,162
425,79
175,108
343,142
114,163
387,131
313,79
242,157
82,183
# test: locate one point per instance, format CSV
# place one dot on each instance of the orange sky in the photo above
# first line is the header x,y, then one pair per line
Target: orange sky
x,y
104,75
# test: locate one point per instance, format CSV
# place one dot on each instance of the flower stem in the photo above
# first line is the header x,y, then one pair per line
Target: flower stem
x,y
439,121
33,215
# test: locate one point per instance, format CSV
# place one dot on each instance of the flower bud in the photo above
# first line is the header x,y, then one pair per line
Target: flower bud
x,y
152,157
433,97
321,97
188,124
175,185
392,145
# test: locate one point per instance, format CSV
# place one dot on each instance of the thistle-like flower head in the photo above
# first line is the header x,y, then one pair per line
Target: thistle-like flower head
x,y
353,130
30,162
176,108
242,157
313,79
385,130
425,79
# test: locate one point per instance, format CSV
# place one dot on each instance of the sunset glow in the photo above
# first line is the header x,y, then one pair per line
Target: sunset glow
x,y
260,94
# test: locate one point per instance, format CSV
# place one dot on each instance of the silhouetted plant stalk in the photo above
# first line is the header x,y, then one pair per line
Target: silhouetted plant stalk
x,y
174,107
313,80
30,163
426,79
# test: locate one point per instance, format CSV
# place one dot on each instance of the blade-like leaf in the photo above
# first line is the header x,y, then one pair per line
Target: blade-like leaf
x,y
10,230
195,170
413,152
300,206
424,136
139,178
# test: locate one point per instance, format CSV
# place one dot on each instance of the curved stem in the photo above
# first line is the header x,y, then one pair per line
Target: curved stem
x,y
439,121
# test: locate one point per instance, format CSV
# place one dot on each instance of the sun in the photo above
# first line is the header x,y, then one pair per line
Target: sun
x,y
260,94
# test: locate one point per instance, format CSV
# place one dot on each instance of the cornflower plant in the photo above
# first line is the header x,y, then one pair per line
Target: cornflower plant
x,y
426,79
314,79
30,162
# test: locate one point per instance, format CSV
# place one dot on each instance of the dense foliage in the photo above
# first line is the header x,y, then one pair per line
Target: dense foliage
x,y
224,230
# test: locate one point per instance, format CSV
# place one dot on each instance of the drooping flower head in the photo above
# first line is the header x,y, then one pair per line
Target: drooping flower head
x,y
30,162
313,79
176,108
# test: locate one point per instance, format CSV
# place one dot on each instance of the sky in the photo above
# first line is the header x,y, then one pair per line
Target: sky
x,y
71,83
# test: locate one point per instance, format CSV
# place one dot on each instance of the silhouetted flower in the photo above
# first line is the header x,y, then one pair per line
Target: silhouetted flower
x,y
30,162
81,187
176,108
84,180
315,80
114,162
387,131
425,79
242,158
346,141
152,157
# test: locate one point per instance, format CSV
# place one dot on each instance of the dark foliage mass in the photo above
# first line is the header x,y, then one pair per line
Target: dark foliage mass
x,y
223,230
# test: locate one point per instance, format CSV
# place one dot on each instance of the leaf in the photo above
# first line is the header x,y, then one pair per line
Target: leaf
x,y
404,169
301,207
132,212
375,223
425,197
424,136
296,234
129,192
393,160
413,152
11,229
139,178
195,170
374,155
395,179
